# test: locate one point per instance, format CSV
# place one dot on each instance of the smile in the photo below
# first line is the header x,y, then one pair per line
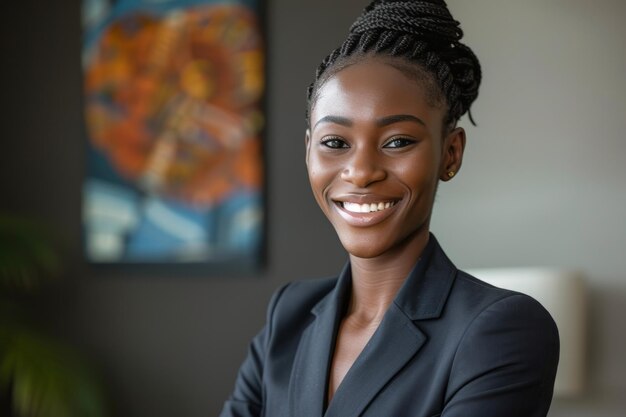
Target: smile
x,y
366,208
365,213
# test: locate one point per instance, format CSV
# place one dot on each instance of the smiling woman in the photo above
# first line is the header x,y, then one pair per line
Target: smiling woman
x,y
401,331
376,140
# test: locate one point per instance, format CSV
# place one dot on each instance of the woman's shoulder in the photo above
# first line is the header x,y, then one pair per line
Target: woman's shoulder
x,y
485,293
479,301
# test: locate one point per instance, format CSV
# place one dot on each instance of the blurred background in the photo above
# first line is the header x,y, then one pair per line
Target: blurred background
x,y
542,186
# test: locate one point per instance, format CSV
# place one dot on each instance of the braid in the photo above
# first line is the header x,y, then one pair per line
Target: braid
x,y
422,32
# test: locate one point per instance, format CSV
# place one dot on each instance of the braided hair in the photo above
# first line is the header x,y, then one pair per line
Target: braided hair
x,y
419,37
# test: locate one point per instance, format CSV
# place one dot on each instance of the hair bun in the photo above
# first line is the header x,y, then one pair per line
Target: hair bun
x,y
429,20
423,32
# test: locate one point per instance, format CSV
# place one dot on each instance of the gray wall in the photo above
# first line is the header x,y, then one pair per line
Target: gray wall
x,y
542,184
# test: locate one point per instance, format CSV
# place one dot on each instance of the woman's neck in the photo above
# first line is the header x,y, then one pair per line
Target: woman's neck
x,y
376,281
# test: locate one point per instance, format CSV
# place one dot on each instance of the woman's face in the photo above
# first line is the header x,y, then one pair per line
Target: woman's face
x,y
375,154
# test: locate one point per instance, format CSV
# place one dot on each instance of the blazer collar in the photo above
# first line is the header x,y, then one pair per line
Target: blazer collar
x,y
338,298
422,296
425,291
397,339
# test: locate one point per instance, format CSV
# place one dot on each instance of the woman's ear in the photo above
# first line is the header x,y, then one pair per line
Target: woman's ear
x,y
307,144
453,148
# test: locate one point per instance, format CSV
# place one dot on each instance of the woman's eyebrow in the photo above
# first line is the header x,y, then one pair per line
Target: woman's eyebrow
x,y
383,121
344,121
388,120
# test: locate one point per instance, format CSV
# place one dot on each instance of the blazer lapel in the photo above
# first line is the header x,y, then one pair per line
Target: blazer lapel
x,y
309,376
393,344
398,338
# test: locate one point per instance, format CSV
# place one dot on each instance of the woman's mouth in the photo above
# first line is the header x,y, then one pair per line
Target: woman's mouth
x,y
365,214
366,208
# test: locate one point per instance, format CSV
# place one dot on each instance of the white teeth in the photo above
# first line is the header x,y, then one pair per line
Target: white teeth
x,y
366,208
353,207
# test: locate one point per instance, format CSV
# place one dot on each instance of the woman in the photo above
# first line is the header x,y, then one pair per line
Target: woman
x,y
401,331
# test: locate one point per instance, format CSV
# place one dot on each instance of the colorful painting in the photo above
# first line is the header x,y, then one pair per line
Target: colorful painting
x,y
173,116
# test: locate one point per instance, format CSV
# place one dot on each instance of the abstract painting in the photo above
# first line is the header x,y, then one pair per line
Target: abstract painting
x,y
172,98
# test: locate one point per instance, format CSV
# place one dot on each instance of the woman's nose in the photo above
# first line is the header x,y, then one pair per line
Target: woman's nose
x,y
363,169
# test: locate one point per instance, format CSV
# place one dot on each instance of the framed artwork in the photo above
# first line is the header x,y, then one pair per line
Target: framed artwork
x,y
172,100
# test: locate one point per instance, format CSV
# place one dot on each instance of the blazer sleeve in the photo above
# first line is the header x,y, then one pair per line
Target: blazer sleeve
x,y
247,397
506,362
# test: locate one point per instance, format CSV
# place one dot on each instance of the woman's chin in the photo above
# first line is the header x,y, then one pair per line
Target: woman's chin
x,y
363,247
367,244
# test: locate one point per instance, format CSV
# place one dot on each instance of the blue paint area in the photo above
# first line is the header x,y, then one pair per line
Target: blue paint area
x,y
160,230
239,228
100,167
229,230
159,236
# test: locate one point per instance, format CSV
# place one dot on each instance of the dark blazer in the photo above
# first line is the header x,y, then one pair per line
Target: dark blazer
x,y
449,345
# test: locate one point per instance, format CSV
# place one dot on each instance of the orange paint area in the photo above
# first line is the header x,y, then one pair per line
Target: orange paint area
x,y
174,101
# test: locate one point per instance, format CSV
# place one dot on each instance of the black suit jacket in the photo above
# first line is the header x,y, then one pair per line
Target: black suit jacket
x,y
449,345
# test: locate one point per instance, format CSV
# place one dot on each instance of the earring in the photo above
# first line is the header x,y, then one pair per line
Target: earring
x,y
451,174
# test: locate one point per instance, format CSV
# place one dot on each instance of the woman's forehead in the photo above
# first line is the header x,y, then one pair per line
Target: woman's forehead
x,y
372,89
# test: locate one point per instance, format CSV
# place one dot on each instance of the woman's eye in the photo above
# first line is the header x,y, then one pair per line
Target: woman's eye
x,y
398,143
334,143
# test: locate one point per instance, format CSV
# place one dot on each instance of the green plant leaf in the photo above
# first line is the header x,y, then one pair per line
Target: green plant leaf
x,y
27,255
48,379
